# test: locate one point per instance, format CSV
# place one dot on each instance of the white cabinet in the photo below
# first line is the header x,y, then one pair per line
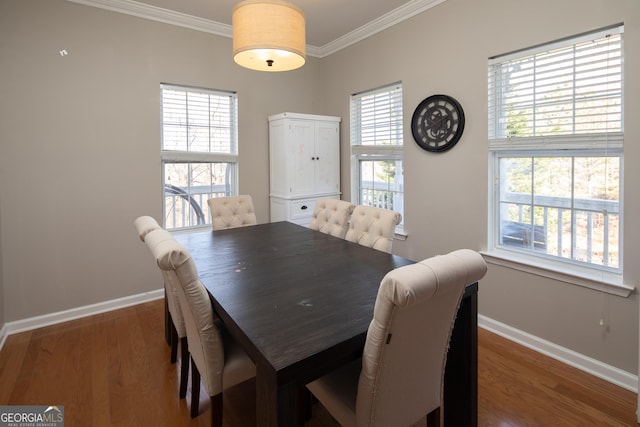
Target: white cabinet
x,y
304,164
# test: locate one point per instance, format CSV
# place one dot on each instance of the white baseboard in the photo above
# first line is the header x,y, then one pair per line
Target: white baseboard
x,y
75,313
592,366
3,335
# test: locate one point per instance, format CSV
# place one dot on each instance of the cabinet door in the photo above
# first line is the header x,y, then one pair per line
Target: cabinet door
x,y
278,160
327,154
301,157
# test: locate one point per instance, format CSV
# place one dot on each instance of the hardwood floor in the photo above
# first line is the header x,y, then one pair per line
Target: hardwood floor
x,y
113,369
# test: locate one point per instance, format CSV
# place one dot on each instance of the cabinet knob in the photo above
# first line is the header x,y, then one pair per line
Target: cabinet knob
x,y
303,207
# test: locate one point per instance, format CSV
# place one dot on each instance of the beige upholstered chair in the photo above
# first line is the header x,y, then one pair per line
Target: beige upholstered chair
x,y
373,227
400,376
145,224
231,211
153,238
215,359
331,216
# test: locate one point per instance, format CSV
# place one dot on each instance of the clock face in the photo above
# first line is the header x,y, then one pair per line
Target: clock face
x,y
437,123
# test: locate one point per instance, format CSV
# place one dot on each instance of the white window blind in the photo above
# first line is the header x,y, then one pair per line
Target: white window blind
x,y
550,94
198,120
377,116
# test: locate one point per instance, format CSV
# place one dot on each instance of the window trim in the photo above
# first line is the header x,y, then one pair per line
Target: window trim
x,y
169,156
595,277
575,275
563,42
368,152
600,278
400,231
184,156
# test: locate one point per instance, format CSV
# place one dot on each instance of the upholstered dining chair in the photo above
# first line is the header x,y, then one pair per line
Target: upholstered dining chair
x,y
231,211
331,216
373,227
399,379
178,330
215,358
145,224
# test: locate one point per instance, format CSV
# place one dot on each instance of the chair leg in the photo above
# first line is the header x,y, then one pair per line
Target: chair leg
x,y
184,366
174,343
216,410
168,321
195,389
433,418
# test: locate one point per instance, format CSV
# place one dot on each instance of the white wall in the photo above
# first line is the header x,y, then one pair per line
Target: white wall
x,y
445,50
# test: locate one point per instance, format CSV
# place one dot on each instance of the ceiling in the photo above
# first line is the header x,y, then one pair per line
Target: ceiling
x,y
330,24
326,20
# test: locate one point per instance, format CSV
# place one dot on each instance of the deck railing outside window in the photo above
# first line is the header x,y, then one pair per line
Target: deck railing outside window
x,y
184,209
589,235
379,195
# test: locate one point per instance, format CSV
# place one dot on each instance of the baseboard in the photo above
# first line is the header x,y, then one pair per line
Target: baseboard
x,y
75,313
3,335
592,366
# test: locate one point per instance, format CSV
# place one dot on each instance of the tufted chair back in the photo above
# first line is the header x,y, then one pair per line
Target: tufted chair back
x,y
144,225
400,377
218,362
154,240
373,227
331,216
153,235
205,341
403,360
231,211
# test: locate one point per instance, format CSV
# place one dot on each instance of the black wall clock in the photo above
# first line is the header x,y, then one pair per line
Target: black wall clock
x,y
437,123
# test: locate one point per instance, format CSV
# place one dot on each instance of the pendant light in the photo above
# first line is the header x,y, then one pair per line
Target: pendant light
x,y
268,35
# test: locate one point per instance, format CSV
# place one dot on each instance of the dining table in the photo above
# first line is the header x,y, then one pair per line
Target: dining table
x,y
300,302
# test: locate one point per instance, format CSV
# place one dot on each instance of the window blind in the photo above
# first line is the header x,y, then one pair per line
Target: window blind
x,y
548,95
198,120
377,116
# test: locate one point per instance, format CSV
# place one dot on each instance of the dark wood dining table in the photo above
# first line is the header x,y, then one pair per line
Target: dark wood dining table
x,y
300,302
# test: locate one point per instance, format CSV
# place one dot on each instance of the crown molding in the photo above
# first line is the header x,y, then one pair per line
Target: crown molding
x,y
154,13
402,13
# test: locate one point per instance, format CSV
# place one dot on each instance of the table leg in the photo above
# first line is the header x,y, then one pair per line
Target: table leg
x,y
266,398
277,405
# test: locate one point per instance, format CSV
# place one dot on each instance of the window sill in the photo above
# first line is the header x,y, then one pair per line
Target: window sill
x,y
400,233
189,230
605,282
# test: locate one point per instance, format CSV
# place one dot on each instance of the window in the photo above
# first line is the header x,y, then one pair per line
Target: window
x,y
199,152
376,148
556,154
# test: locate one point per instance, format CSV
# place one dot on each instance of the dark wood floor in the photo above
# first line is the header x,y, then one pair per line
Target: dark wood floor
x,y
113,370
